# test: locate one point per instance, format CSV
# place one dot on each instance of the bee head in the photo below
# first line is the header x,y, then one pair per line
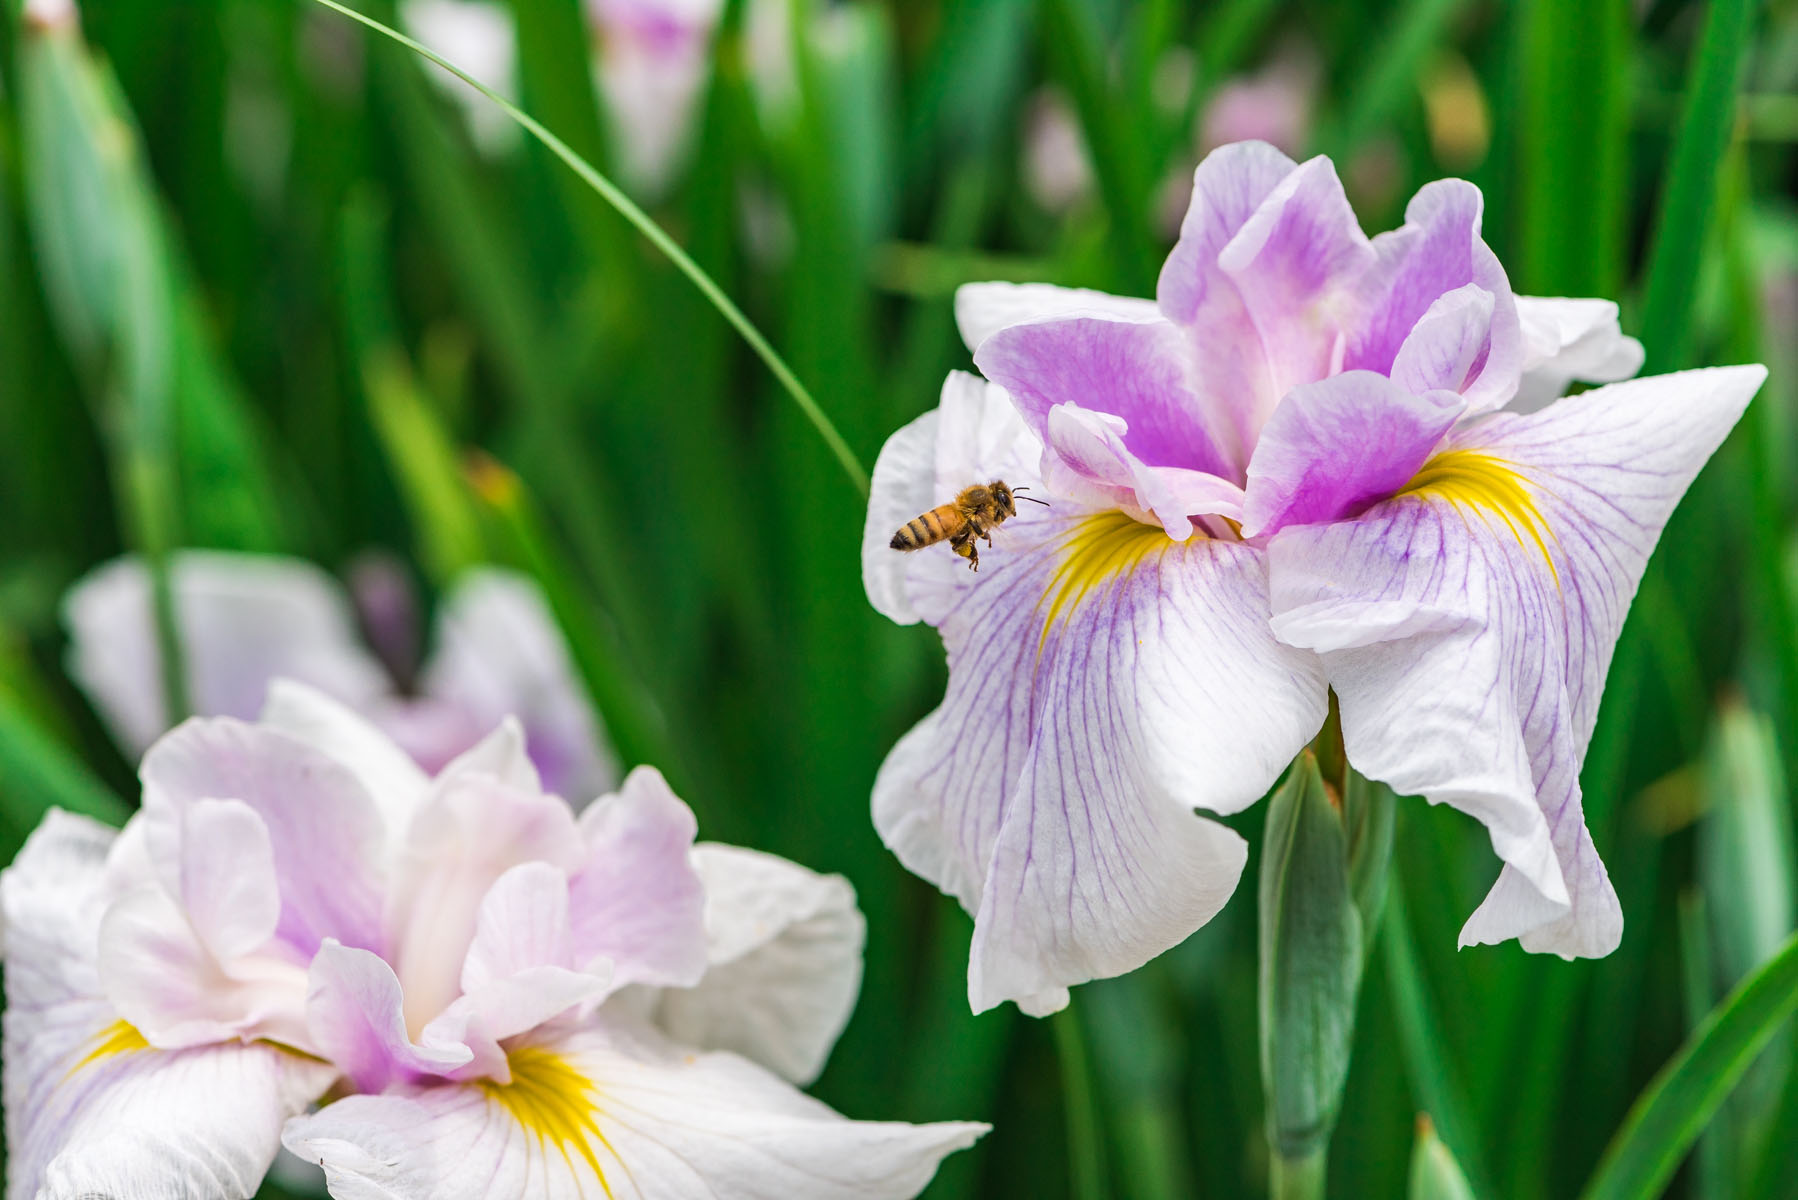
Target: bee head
x,y
1002,498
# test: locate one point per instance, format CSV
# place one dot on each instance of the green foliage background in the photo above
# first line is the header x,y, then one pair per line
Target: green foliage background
x,y
259,291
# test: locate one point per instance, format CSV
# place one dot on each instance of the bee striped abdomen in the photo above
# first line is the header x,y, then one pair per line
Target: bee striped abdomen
x,y
926,530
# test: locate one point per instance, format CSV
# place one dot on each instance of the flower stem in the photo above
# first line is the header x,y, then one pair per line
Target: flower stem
x,y
1300,1178
1084,1160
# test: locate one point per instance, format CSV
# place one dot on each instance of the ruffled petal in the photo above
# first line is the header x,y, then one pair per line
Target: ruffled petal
x,y
1468,624
500,653
1093,465
1565,340
391,777
1453,336
91,1109
607,1111
1293,262
472,829
327,835
982,309
637,900
1335,446
357,1017
196,965
244,619
1229,363
1104,681
1436,251
1137,371
785,946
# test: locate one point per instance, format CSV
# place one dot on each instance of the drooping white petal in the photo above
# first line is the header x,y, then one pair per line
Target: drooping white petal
x,y
1104,681
982,309
785,946
91,1109
1467,627
1569,339
243,619
616,1112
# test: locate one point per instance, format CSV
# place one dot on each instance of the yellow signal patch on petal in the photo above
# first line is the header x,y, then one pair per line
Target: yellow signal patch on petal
x,y
1470,479
555,1103
120,1037
1102,549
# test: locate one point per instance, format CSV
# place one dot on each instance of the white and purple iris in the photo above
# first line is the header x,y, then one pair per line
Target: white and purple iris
x,y
245,620
491,996
1315,461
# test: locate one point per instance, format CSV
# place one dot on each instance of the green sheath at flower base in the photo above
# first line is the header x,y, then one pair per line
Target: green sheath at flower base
x,y
1311,959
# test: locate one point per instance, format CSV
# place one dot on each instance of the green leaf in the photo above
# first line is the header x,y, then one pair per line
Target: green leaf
x,y
1572,142
1310,949
1689,197
38,773
1677,1104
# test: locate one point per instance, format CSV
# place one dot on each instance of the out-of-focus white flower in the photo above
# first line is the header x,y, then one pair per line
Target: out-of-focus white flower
x,y
245,620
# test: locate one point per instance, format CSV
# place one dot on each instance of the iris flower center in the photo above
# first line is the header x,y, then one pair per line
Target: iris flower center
x,y
120,1037
1483,483
554,1103
1100,550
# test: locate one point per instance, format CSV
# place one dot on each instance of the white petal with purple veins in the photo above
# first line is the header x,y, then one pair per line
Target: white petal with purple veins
x,y
1104,681
617,1112
1467,626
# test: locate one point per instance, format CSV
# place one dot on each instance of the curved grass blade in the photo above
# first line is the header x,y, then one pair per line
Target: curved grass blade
x,y
627,208
1690,197
1668,1117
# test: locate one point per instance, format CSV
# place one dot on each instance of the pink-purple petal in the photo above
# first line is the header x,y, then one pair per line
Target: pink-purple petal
x,y
636,900
325,831
1335,446
356,1014
1136,371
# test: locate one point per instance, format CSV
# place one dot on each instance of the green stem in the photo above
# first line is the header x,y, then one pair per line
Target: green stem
x,y
1084,1155
1299,1178
627,208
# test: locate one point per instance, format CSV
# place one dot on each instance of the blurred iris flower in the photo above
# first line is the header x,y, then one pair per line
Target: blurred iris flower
x,y
1293,471
245,620
493,997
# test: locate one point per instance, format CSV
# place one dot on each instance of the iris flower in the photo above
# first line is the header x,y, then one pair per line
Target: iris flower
x,y
493,997
246,619
1292,471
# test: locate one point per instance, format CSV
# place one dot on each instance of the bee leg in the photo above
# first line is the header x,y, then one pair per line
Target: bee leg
x,y
965,547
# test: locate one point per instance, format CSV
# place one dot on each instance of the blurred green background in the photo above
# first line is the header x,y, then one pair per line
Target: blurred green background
x,y
264,286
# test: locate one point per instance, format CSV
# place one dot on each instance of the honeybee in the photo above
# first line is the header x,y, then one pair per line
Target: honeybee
x,y
970,516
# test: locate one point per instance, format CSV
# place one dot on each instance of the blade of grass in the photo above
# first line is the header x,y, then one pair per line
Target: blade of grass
x,y
1077,46
37,773
657,237
1423,1045
1572,141
1689,196
1670,1114
1085,1153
